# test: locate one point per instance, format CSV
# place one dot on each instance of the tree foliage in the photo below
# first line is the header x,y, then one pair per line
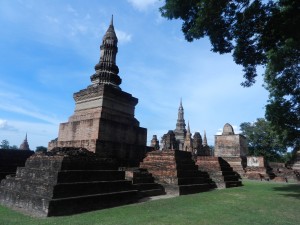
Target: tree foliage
x,y
4,144
263,141
41,149
257,33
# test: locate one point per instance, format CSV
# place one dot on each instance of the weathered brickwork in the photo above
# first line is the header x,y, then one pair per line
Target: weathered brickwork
x,y
103,120
232,148
66,181
256,168
177,172
219,171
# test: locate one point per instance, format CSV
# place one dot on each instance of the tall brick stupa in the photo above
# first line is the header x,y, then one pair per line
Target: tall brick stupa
x,y
104,121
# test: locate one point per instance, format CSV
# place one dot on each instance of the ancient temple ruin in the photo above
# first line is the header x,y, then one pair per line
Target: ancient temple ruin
x,y
233,148
81,172
103,121
180,130
24,145
182,139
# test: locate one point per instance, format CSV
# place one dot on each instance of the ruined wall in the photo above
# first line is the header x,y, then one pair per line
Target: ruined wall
x,y
230,146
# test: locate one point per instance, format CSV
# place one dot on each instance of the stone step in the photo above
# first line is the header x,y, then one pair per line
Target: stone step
x,y
72,163
137,180
152,192
90,188
147,186
166,163
89,175
188,173
66,206
142,174
68,176
168,166
193,188
68,189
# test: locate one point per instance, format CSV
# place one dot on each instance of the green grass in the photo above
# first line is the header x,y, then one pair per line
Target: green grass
x,y
254,203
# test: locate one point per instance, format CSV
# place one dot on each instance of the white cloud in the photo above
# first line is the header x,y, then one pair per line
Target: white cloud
x,y
11,101
123,37
72,10
142,5
3,124
52,20
5,127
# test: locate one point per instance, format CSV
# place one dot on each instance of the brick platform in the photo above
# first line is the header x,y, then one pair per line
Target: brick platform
x,y
66,182
144,182
219,171
177,172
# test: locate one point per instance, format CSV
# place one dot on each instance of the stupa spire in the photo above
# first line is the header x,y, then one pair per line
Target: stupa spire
x,y
106,69
204,139
180,121
188,130
112,20
180,130
24,145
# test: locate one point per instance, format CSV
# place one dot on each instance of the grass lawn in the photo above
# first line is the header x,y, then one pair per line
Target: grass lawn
x,y
254,203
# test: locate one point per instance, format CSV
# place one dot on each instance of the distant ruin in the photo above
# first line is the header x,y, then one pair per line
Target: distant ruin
x,y
181,138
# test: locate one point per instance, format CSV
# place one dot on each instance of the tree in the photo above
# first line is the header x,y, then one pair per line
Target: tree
x,y
4,144
14,147
41,149
263,141
257,33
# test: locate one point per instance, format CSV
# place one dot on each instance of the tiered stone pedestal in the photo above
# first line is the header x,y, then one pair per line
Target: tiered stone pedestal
x,y
144,182
65,183
104,122
11,159
177,172
219,171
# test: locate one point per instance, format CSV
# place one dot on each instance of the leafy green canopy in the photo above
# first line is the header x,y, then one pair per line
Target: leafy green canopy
x,y
257,33
263,141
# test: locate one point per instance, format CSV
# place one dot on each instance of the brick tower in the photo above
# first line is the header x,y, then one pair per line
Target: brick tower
x,y
180,130
103,121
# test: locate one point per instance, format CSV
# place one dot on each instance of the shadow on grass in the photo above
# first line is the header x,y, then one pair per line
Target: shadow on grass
x,y
292,190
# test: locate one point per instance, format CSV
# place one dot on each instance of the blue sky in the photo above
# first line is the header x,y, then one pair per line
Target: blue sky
x,y
48,50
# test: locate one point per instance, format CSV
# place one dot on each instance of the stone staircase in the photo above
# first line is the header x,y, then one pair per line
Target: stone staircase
x,y
64,183
177,172
144,182
219,171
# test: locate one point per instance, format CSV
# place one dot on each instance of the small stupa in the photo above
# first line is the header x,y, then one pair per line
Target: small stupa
x,y
25,145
